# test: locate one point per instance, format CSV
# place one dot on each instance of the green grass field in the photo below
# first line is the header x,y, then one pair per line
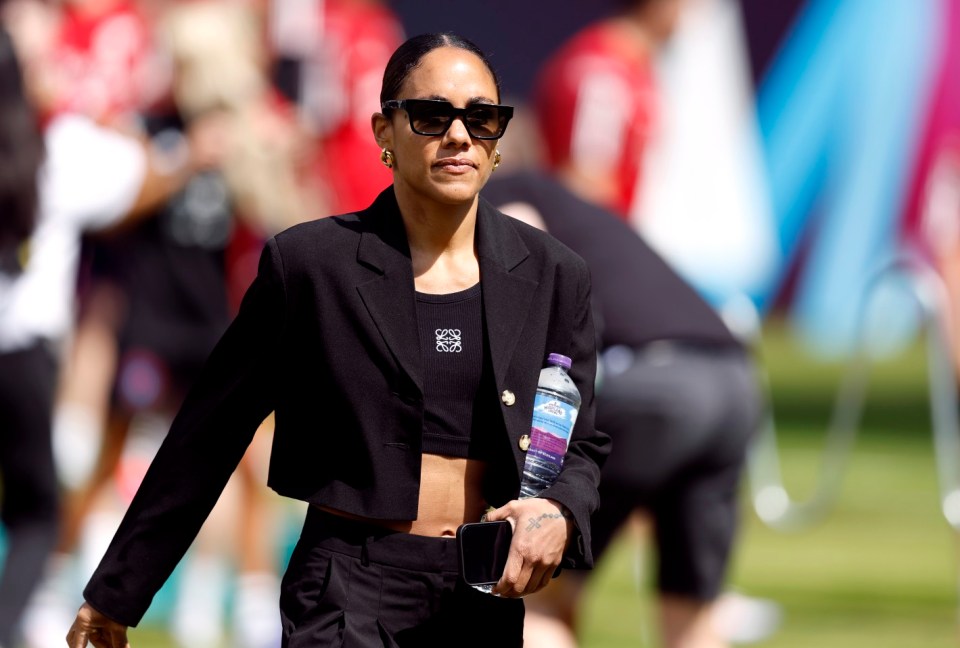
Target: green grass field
x,y
881,571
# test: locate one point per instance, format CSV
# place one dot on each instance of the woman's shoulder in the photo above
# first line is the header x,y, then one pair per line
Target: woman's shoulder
x,y
326,234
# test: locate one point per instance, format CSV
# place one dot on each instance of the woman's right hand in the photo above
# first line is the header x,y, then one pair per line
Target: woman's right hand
x,y
90,625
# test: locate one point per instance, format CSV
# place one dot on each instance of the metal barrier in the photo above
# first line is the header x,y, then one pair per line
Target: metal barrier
x,y
770,498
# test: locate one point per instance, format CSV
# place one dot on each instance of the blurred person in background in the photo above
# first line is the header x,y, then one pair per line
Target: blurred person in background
x,y
220,63
331,57
105,62
90,178
650,113
596,102
329,340
678,396
174,274
102,61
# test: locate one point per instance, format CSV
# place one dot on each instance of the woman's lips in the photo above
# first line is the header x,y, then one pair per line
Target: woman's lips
x,y
455,165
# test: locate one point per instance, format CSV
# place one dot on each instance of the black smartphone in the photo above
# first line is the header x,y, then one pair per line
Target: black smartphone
x,y
483,551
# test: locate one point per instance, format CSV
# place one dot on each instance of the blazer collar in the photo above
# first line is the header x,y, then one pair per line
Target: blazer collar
x,y
384,241
507,294
390,297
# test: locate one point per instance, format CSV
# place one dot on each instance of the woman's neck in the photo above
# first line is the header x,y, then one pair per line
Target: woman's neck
x,y
442,244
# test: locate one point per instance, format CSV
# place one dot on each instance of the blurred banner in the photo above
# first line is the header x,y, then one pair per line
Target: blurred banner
x,y
842,107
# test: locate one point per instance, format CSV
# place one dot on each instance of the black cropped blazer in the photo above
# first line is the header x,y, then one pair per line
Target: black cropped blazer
x,y
326,337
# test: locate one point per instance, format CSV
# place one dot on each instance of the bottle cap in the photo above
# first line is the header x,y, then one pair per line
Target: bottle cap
x,y
561,360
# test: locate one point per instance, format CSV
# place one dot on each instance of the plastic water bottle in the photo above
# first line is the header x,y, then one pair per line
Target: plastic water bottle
x,y
555,410
554,413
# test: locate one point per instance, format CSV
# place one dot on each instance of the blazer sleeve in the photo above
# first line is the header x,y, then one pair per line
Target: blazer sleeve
x,y
232,396
576,486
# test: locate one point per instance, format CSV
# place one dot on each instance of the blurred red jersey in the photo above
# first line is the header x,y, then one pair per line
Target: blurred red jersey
x,y
103,58
356,42
595,101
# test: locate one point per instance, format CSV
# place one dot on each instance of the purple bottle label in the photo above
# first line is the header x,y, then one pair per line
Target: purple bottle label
x,y
553,420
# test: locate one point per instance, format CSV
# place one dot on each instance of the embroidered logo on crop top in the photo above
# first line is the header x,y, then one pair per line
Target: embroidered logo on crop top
x,y
448,340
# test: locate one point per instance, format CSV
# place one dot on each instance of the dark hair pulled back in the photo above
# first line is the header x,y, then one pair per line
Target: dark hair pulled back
x,y
408,56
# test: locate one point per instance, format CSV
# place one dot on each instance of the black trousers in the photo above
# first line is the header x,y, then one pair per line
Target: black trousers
x,y
29,509
355,585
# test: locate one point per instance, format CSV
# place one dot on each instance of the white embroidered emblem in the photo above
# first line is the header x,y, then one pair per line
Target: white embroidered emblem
x,y
448,341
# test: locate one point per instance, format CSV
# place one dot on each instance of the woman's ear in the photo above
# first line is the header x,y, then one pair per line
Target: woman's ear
x,y
382,130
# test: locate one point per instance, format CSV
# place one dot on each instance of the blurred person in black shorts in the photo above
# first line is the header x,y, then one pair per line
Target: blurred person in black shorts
x,y
677,394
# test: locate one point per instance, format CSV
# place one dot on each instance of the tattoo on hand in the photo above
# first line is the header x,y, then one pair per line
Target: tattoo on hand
x,y
535,522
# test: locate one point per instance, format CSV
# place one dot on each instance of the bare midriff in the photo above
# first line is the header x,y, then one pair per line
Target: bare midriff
x,y
450,495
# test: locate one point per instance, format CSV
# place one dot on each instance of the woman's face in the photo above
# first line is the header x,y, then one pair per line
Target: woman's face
x,y
449,168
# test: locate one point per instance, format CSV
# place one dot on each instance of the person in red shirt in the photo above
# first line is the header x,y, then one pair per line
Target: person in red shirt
x,y
341,91
103,54
595,101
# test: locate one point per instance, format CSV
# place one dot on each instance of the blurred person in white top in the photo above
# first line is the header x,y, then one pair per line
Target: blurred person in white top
x,y
61,175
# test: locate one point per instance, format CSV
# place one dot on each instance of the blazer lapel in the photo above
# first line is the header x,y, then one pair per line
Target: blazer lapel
x,y
390,298
506,296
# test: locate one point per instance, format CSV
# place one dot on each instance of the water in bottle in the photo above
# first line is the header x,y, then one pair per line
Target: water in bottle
x,y
554,413
555,410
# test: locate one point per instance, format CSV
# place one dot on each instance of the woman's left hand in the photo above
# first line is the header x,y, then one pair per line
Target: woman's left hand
x,y
541,530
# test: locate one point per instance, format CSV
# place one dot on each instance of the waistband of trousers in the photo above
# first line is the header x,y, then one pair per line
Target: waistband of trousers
x,y
379,545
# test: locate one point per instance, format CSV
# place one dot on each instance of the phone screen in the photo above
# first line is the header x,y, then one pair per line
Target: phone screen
x,y
483,551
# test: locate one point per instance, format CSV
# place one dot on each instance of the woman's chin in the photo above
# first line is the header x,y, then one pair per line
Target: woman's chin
x,y
457,190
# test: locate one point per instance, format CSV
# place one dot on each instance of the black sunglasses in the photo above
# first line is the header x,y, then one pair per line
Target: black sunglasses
x,y
432,117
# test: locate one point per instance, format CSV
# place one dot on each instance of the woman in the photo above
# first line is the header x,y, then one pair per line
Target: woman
x,y
394,432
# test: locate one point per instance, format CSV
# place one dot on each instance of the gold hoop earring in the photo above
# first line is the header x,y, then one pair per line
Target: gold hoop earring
x,y
496,158
386,157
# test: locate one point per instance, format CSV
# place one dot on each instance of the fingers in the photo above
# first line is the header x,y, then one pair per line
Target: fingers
x,y
80,638
516,575
108,639
540,536
502,513
526,571
76,638
93,627
518,581
80,631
